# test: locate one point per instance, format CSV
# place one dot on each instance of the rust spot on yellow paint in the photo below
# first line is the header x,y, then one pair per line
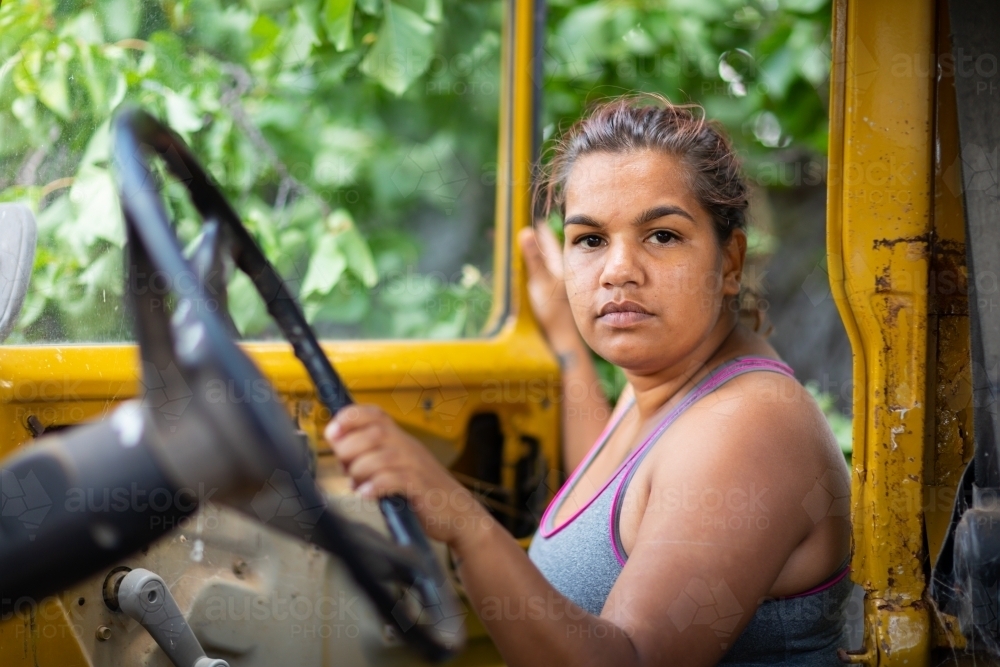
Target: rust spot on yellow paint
x,y
883,282
922,239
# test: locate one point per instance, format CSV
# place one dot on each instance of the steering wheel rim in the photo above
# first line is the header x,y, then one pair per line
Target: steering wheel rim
x,y
196,341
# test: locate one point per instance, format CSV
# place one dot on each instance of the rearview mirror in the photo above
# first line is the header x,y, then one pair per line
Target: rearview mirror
x,y
18,235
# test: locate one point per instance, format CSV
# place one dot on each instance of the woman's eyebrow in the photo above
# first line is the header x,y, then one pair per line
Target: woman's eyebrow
x,y
581,219
650,214
660,212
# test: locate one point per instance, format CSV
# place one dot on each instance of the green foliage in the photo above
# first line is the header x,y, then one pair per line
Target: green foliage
x,y
759,67
353,136
840,423
325,123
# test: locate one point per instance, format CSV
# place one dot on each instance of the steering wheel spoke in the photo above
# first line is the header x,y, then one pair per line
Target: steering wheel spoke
x,y
213,264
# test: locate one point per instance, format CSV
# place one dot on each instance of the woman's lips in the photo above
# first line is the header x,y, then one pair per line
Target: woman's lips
x,y
623,314
626,318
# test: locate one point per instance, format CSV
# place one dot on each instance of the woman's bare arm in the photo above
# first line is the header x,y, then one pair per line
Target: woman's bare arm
x,y
688,546
530,621
585,408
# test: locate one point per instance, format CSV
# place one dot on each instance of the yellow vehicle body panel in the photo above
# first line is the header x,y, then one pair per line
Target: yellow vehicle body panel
x,y
896,255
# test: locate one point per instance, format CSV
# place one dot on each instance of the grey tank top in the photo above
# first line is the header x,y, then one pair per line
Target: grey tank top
x,y
583,557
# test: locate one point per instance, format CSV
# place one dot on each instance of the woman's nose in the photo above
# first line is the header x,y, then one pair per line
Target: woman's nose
x,y
621,266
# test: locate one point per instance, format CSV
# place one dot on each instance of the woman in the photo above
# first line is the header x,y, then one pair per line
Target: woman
x,y
711,540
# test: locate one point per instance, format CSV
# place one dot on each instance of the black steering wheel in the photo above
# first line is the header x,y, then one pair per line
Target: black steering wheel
x,y
238,446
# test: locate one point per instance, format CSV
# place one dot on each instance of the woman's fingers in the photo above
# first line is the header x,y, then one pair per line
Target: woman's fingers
x,y
548,244
382,484
352,418
542,253
532,253
369,464
357,442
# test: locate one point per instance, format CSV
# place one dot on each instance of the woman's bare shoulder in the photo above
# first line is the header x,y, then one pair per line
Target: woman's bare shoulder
x,y
762,419
782,426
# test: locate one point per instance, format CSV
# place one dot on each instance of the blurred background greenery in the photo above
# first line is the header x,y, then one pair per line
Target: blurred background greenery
x,y
358,138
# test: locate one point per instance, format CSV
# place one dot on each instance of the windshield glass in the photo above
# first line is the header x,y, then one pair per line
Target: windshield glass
x,y
358,141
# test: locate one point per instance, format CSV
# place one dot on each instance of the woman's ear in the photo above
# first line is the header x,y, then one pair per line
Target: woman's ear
x,y
734,255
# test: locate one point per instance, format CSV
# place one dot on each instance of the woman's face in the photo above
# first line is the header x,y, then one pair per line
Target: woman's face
x,y
645,274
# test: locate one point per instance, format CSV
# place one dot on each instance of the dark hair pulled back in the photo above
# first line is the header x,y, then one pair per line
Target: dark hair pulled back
x,y
651,122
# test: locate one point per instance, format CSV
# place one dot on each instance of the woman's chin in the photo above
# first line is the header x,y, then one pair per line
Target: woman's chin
x,y
630,358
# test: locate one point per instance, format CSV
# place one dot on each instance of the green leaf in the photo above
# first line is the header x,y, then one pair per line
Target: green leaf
x,y
54,215
83,27
370,7
245,305
98,214
353,247
34,304
98,150
326,266
265,33
270,6
338,16
344,305
433,11
402,51
182,112
53,88
120,18
44,73
340,151
778,72
104,80
104,273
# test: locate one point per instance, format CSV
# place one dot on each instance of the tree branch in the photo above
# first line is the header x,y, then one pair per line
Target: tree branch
x,y
231,99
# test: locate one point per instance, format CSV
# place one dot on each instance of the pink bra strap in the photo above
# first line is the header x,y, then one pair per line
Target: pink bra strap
x,y
543,525
830,583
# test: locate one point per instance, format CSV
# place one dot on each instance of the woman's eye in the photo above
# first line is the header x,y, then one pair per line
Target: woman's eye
x,y
589,241
662,236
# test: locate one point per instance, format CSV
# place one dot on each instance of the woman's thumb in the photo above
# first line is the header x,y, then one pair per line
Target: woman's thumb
x,y
549,250
529,247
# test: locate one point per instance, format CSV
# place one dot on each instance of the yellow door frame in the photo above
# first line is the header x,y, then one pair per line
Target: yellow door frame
x,y
896,257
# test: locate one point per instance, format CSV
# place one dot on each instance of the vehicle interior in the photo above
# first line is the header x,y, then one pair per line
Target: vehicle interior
x,y
202,522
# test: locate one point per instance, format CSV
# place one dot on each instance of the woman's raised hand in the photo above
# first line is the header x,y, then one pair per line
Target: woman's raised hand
x,y
546,287
383,460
